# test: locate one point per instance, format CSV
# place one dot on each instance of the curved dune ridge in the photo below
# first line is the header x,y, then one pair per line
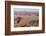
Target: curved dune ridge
x,y
26,21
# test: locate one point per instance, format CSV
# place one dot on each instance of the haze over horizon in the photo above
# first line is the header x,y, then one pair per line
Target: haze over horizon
x,y
26,10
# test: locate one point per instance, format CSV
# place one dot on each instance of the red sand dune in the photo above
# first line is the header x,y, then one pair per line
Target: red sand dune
x,y
26,20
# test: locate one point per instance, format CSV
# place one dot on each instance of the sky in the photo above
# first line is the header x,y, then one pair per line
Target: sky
x,y
26,9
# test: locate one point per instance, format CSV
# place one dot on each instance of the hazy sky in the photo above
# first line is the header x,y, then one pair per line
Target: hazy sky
x,y
26,9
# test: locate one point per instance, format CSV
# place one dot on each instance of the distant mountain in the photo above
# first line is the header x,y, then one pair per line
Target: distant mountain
x,y
26,13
